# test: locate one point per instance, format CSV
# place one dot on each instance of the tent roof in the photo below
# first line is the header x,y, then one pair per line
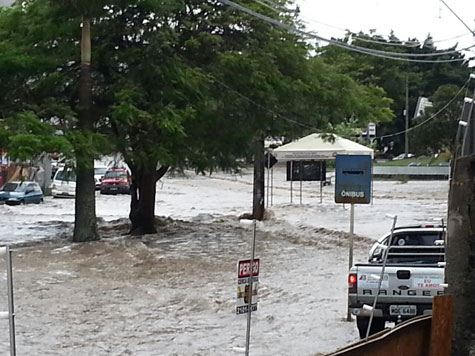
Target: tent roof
x,y
314,147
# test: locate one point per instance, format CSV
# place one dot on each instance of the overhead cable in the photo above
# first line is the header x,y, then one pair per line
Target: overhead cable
x,y
430,117
382,41
458,17
357,35
363,50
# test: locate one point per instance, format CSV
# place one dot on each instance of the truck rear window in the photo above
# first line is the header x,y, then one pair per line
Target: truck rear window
x,y
416,239
412,247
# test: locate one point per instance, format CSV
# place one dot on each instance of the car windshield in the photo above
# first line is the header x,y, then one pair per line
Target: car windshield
x,y
115,174
100,171
65,175
14,187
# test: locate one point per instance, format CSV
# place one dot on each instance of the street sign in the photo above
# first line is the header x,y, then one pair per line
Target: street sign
x,y
353,179
306,171
269,160
372,129
243,274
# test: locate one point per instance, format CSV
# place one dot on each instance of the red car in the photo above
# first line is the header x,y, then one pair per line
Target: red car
x,y
115,181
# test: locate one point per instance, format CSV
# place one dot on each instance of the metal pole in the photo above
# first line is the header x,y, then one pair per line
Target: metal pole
x,y
301,169
352,231
385,259
406,143
350,254
291,178
268,176
249,310
11,310
321,183
372,184
272,186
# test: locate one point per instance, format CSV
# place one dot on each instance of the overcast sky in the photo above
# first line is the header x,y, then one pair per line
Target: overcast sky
x,y
5,2
408,18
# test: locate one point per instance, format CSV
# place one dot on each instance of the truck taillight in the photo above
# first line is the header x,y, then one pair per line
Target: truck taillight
x,y
352,283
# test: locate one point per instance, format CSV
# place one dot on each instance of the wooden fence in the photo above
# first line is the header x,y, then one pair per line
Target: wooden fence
x,y
427,335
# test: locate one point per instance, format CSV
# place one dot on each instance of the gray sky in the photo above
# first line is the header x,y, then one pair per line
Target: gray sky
x,y
5,2
408,18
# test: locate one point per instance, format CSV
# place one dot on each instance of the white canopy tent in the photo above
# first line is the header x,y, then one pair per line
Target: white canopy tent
x,y
318,147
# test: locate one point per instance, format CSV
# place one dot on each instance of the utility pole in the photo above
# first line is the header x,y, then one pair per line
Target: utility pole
x,y
406,135
460,247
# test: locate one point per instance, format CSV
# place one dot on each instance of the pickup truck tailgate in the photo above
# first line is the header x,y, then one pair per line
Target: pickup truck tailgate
x,y
415,285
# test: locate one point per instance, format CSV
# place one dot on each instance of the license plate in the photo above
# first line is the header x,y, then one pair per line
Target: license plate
x,y
402,310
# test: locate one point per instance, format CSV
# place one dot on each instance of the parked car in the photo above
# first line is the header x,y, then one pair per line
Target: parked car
x,y
64,183
15,193
99,175
115,181
403,156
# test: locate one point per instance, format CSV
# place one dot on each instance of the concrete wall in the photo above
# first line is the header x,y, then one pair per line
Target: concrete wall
x,y
421,172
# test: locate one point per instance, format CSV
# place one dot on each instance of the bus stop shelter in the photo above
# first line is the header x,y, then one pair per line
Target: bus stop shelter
x,y
317,147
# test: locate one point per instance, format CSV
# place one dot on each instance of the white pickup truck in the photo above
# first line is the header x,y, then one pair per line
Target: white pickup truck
x,y
413,274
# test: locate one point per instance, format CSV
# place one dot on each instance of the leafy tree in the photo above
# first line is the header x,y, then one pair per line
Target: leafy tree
x,y
423,78
438,133
174,84
274,88
85,227
47,82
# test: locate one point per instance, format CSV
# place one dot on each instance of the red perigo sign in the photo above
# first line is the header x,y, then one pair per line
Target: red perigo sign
x,y
244,268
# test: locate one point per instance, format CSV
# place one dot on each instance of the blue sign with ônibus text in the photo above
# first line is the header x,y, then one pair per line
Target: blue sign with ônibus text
x,y
353,176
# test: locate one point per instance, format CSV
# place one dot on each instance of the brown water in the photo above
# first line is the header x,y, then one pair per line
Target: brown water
x,y
174,294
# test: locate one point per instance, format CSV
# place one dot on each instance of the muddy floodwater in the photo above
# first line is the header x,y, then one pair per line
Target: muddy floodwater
x,y
174,292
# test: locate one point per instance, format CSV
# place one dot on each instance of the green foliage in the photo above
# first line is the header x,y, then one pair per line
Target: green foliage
x,y
424,79
26,136
439,133
185,84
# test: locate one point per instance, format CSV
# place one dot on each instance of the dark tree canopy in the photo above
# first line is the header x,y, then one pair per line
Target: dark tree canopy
x,y
180,84
424,79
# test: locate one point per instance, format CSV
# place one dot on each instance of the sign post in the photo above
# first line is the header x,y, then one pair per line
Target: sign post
x,y
248,276
353,177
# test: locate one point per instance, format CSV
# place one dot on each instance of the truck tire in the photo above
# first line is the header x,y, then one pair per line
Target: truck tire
x,y
377,325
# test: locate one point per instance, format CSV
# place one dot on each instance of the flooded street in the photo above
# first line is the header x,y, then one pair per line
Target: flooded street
x,y
174,293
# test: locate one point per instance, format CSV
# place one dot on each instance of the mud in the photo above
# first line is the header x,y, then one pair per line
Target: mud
x,y
173,293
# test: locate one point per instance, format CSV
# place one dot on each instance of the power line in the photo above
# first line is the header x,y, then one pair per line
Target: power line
x,y
363,50
458,17
210,77
453,38
356,35
383,41
429,118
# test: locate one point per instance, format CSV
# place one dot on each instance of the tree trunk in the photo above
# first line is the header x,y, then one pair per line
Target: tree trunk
x,y
259,176
85,228
142,204
460,251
